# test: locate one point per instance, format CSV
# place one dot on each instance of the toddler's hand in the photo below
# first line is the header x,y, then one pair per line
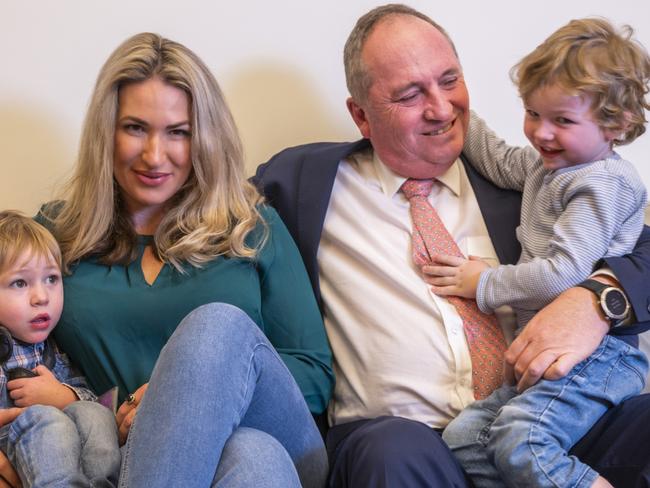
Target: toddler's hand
x,y
43,389
451,275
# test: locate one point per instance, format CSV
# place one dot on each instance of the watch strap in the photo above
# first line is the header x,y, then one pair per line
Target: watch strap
x,y
599,290
595,286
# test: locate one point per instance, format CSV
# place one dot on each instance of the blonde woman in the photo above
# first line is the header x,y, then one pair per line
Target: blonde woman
x,y
183,280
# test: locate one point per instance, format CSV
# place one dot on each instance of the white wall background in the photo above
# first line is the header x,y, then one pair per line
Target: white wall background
x,y
278,62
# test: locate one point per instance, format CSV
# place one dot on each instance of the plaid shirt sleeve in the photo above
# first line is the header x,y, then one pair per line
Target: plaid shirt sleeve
x,y
69,376
30,355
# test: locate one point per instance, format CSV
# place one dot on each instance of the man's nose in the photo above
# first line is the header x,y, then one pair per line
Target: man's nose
x,y
438,107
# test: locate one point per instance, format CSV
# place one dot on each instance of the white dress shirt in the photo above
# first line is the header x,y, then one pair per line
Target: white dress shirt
x,y
398,348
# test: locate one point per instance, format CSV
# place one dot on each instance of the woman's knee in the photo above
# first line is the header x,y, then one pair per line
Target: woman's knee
x,y
254,458
213,326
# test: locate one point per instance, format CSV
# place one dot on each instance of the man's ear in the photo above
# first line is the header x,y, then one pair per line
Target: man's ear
x,y
359,116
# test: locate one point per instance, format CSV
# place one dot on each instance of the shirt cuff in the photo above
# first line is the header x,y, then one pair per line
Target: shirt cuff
x,y
82,393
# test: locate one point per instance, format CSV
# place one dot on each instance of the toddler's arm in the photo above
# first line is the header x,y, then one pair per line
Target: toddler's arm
x,y
59,387
505,166
602,216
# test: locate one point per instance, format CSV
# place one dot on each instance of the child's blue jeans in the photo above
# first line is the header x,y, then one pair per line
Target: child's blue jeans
x,y
69,448
522,440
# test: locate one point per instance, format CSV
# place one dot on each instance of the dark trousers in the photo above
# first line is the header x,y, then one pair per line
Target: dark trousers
x,y
400,453
391,452
618,446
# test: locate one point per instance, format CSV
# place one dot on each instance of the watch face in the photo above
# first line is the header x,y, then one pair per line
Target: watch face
x,y
616,303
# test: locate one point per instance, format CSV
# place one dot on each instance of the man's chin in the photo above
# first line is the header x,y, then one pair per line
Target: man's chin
x,y
426,170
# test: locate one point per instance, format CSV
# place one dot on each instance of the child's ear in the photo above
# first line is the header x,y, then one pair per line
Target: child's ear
x,y
612,135
618,134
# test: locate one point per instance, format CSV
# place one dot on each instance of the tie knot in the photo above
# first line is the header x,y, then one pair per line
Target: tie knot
x,y
416,188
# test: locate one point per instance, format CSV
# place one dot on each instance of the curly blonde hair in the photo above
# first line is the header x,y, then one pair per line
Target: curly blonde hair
x,y
213,212
590,57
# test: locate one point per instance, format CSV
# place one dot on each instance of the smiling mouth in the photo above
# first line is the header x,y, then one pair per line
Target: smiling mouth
x,y
152,178
151,174
442,130
547,151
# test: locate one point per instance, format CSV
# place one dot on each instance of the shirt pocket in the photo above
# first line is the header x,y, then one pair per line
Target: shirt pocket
x,y
481,247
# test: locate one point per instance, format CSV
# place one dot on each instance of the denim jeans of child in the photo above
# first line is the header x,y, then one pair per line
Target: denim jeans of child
x,y
522,440
222,409
70,448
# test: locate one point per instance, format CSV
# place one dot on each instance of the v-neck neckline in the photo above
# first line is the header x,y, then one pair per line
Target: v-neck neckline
x,y
143,242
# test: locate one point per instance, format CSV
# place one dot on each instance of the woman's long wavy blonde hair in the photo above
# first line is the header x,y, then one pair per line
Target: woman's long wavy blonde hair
x,y
211,214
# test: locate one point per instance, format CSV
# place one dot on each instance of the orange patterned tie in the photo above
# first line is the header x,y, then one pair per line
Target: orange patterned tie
x,y
484,336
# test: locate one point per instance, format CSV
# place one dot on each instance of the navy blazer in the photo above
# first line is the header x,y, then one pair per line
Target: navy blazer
x,y
298,183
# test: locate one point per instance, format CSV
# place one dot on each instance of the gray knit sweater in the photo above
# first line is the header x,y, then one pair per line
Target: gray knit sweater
x,y
570,218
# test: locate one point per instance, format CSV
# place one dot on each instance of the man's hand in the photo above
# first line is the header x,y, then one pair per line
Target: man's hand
x,y
43,389
451,275
126,413
561,335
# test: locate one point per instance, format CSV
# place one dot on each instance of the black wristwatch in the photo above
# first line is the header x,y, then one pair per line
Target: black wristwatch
x,y
612,301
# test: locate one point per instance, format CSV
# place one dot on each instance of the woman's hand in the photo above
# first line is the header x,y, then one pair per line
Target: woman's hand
x,y
8,415
43,389
8,476
126,413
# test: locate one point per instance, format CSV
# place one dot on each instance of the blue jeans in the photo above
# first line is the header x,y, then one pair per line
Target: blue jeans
x,y
222,409
69,448
522,440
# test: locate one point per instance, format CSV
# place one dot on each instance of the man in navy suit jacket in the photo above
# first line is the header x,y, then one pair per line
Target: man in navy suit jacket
x,y
409,100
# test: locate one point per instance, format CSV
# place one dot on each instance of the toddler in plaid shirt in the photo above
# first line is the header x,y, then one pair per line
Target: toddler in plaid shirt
x,y
53,432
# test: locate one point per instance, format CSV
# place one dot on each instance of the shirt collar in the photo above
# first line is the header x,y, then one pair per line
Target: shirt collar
x,y
391,182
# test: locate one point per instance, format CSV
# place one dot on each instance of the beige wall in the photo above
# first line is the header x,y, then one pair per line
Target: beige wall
x,y
279,64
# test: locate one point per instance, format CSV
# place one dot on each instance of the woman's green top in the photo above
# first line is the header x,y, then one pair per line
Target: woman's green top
x,y
114,323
